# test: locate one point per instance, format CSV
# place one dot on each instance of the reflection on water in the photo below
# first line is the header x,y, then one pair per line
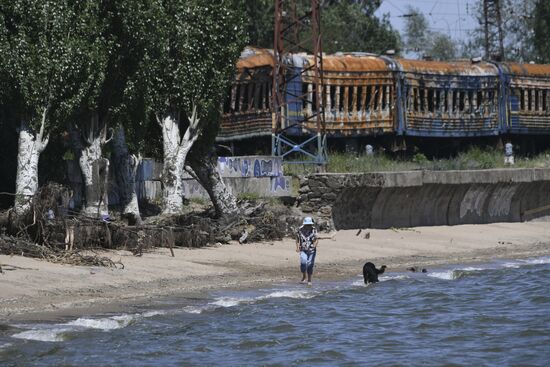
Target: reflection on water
x,y
492,314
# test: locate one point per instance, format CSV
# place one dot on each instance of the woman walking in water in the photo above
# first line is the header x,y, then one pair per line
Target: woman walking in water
x,y
306,246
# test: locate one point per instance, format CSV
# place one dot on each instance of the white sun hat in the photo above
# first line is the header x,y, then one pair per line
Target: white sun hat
x,y
307,220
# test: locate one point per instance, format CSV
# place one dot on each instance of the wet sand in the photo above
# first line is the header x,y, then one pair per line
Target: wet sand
x,y
32,288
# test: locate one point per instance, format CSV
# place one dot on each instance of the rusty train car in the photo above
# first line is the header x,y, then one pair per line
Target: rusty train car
x,y
378,96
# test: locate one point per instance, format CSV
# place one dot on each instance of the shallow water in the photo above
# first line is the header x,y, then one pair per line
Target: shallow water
x,y
495,314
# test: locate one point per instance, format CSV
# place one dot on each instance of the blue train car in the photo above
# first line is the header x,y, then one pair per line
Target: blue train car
x,y
449,99
527,96
360,95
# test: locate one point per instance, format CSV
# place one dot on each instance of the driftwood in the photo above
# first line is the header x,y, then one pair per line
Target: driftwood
x,y
17,246
54,232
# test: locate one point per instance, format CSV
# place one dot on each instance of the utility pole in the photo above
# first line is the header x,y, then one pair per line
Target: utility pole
x,y
494,35
298,84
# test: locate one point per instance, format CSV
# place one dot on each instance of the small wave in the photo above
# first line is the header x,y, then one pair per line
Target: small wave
x,y
230,301
538,261
227,302
195,309
58,332
470,268
298,294
43,335
384,278
445,275
153,313
5,346
108,323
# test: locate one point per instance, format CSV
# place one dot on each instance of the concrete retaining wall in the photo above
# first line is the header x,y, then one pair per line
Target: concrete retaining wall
x,y
420,198
256,175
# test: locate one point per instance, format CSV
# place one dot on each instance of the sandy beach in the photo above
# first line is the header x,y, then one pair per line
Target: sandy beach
x,y
32,288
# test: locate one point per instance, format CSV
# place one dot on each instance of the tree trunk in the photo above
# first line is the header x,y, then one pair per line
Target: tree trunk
x,y
31,145
205,169
175,149
126,166
89,142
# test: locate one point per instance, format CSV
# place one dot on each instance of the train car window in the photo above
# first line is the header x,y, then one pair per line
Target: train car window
x,y
544,100
375,97
430,100
238,98
332,98
480,101
529,99
268,94
251,97
521,93
421,96
445,101
245,97
306,96
341,101
415,99
390,96
259,96
227,100
368,101
536,99
470,107
351,96
360,98
313,89
384,95
438,106
461,100
455,100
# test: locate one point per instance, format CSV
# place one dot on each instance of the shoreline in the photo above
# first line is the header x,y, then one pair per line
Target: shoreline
x,y
33,289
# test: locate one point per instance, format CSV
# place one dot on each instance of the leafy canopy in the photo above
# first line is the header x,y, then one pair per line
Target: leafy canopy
x,y
347,25
50,55
189,50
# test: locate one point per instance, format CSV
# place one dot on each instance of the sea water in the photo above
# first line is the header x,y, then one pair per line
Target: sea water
x,y
494,314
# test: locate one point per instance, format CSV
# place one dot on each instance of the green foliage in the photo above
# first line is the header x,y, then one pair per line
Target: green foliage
x,y
471,159
416,30
348,25
419,39
68,155
542,30
48,48
442,47
420,158
260,23
189,50
518,31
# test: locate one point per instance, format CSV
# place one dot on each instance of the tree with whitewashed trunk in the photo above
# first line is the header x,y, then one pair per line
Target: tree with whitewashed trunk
x,y
100,97
189,55
42,64
88,140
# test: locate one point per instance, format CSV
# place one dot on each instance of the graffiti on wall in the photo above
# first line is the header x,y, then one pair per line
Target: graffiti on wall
x,y
250,166
280,183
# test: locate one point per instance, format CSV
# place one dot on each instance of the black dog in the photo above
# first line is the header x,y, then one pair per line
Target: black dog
x,y
370,273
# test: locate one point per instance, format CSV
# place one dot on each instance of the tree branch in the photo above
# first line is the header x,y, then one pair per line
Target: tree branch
x,y
192,133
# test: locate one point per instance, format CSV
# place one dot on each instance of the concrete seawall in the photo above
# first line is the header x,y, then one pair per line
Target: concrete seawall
x,y
422,198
